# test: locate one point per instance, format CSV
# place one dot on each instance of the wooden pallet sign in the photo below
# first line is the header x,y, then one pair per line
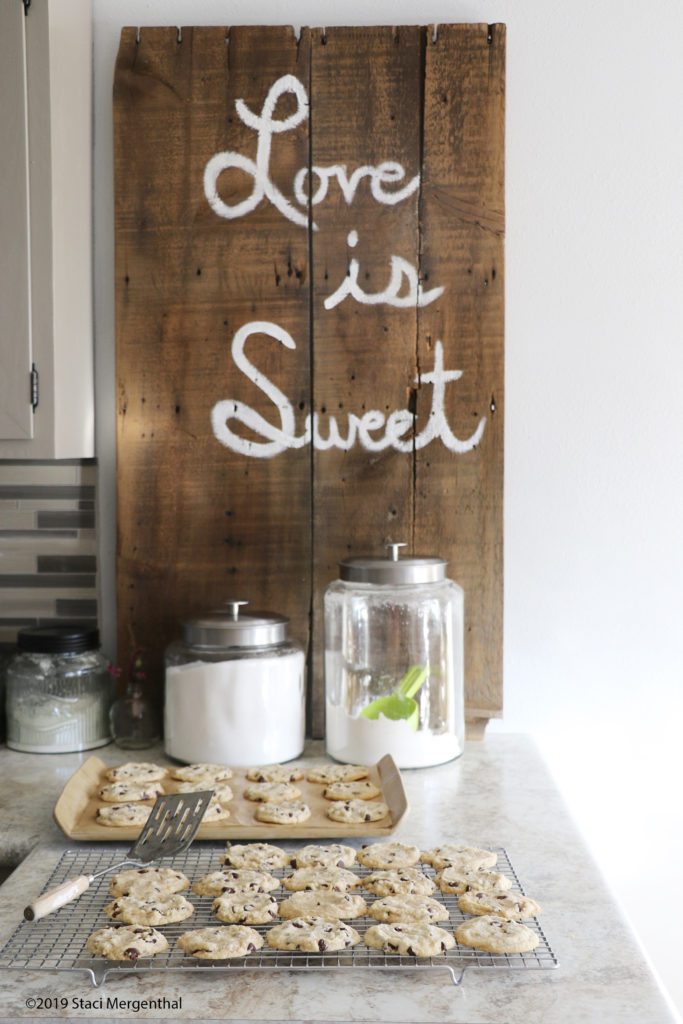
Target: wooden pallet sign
x,y
309,299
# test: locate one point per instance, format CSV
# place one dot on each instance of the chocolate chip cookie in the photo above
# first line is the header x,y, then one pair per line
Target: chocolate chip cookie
x,y
332,855
275,773
356,812
496,935
291,812
130,792
123,815
364,790
152,910
221,943
459,880
202,773
388,855
510,905
258,856
232,880
245,908
140,881
138,771
397,883
320,879
409,939
458,855
328,773
330,905
271,792
408,908
312,935
126,943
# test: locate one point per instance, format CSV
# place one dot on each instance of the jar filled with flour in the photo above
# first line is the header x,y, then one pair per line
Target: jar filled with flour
x,y
235,689
58,690
394,661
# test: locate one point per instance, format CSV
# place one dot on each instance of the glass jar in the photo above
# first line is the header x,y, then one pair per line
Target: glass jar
x,y
134,721
394,662
235,690
58,691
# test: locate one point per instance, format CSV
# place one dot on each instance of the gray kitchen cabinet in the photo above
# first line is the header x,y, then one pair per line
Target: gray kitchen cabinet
x,y
46,332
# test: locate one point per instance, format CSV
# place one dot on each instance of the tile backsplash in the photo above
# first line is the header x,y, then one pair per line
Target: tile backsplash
x,y
48,552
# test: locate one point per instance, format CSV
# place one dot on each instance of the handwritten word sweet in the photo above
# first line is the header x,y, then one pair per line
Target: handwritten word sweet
x,y
266,125
278,439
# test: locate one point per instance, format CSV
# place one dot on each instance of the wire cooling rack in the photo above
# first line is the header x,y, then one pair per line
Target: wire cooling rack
x,y
57,942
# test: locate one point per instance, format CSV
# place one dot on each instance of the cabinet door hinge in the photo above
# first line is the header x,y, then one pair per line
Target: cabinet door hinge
x,y
35,387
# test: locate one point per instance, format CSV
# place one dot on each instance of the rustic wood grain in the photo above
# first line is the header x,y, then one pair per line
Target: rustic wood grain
x,y
459,498
363,356
197,523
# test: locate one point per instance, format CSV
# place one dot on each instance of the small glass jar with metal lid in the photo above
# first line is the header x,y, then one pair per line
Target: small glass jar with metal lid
x,y
58,691
394,661
235,691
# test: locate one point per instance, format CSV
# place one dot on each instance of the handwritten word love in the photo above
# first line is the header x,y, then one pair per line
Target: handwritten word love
x,y
266,125
359,428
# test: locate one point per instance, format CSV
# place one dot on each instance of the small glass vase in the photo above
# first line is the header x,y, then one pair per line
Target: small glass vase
x,y
134,721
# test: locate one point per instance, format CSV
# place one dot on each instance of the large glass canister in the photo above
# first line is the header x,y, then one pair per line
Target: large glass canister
x,y
235,690
59,691
394,662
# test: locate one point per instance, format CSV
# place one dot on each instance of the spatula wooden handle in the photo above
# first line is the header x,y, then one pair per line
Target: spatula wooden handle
x,y
56,898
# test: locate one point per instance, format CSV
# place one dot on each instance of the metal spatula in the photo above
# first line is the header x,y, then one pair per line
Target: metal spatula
x,y
169,830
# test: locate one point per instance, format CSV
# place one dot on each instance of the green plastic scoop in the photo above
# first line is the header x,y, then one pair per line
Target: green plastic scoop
x,y
399,704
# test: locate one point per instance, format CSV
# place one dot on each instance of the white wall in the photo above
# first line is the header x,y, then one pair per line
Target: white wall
x,y
594,468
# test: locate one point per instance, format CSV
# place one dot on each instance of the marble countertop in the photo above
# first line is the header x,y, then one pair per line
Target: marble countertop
x,y
499,793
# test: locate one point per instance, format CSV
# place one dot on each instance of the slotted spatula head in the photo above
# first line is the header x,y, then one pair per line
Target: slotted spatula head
x,y
169,830
171,826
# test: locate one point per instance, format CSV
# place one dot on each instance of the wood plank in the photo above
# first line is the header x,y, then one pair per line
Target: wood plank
x,y
199,523
365,93
459,498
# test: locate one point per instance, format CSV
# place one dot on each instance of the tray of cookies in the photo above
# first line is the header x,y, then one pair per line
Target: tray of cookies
x,y
306,800
385,905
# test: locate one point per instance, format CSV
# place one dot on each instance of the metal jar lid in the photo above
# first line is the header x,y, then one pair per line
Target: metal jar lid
x,y
69,638
229,628
393,570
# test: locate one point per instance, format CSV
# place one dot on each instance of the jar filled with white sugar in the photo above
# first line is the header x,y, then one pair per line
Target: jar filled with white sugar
x,y
235,691
394,661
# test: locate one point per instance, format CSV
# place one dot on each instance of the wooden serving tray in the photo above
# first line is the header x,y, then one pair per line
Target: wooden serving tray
x,y
77,805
